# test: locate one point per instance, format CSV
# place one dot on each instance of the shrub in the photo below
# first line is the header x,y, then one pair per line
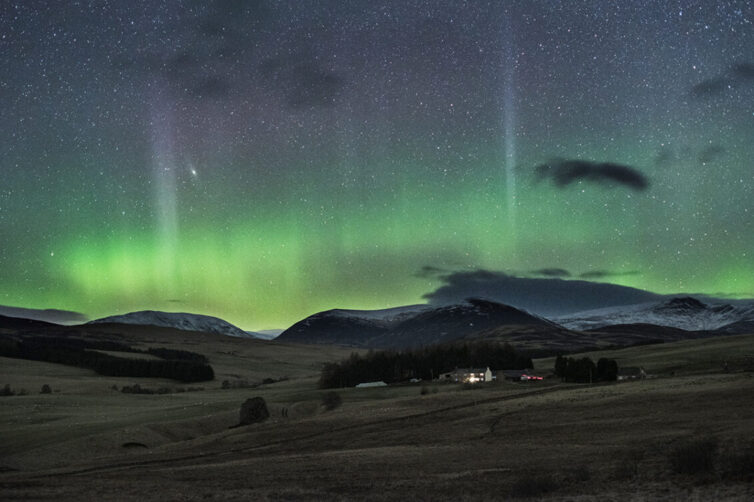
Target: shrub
x,y
45,389
331,400
136,389
424,391
253,410
7,391
694,456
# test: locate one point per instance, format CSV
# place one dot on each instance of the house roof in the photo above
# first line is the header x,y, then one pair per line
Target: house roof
x,y
469,370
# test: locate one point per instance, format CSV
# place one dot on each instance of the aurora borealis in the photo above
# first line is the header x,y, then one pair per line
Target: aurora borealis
x,y
262,161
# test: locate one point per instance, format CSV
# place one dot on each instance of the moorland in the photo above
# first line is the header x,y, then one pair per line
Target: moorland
x,y
685,432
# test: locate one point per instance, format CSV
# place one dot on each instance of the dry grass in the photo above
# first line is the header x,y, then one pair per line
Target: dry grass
x,y
504,441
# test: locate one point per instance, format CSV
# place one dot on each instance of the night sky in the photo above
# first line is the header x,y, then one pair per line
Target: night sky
x,y
262,161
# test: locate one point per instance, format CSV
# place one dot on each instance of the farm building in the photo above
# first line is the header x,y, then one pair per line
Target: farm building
x,y
517,375
467,375
371,384
631,373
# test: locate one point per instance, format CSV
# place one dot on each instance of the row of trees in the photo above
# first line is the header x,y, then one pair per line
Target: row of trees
x,y
81,353
584,370
425,363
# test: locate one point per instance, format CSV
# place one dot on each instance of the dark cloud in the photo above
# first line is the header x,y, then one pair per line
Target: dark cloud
x,y
183,61
743,71
711,154
219,31
211,87
552,272
544,296
711,87
602,274
563,172
49,315
303,79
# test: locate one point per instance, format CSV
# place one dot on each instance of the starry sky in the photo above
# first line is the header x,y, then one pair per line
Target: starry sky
x,y
261,161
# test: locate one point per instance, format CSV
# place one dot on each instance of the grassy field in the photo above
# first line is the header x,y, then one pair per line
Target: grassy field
x,y
682,358
502,441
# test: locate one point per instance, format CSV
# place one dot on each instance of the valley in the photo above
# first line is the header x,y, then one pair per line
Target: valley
x,y
500,440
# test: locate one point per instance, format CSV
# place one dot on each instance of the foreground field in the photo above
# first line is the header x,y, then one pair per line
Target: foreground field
x,y
503,441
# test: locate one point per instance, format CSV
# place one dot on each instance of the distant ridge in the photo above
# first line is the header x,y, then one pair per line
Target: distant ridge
x,y
18,323
409,326
178,320
683,312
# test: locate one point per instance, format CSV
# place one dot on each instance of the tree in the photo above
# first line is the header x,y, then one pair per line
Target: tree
x,y
607,370
561,364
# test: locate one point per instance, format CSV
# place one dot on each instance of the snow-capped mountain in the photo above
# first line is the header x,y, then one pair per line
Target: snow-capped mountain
x,y
413,325
686,313
386,315
178,320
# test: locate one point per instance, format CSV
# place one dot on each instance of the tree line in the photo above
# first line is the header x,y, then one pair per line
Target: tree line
x,y
584,370
175,364
425,363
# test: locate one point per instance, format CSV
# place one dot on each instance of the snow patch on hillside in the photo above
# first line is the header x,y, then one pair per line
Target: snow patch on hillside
x,y
178,320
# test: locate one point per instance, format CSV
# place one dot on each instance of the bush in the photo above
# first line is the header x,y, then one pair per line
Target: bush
x,y
7,391
136,389
424,391
694,456
253,410
331,400
45,389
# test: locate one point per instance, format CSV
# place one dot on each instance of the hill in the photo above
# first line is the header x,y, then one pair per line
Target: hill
x,y
178,320
687,313
408,326
613,441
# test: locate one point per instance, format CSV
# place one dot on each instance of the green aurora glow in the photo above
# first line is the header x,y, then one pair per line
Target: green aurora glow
x,y
271,213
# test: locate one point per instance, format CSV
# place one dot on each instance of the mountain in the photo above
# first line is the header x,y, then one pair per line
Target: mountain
x,y
178,320
19,323
687,313
54,316
409,326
